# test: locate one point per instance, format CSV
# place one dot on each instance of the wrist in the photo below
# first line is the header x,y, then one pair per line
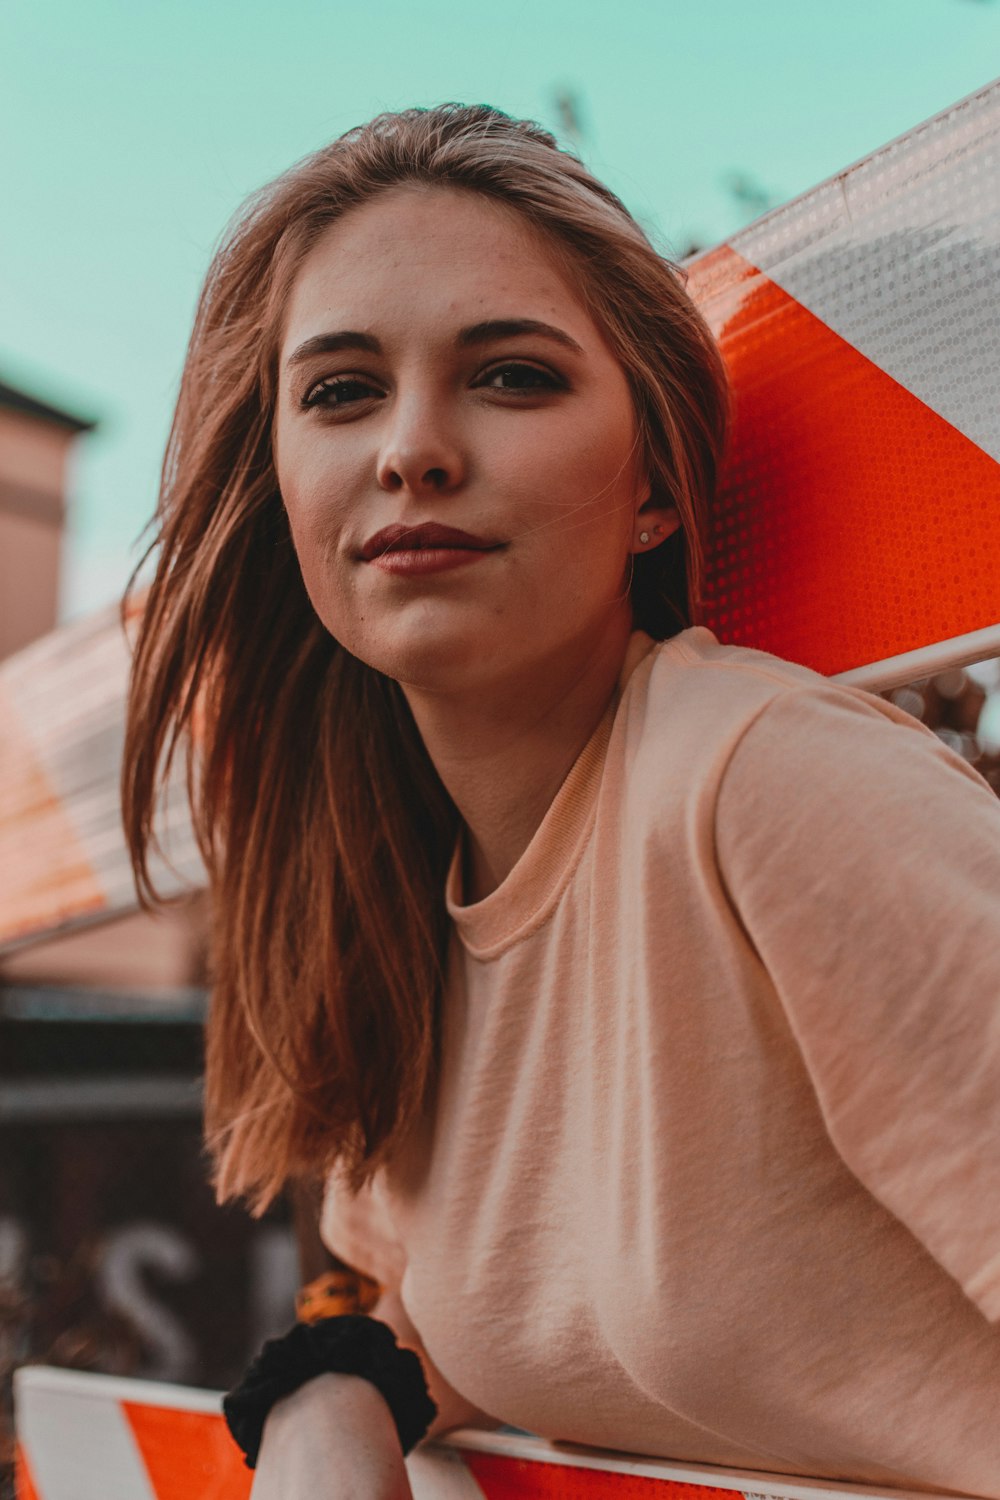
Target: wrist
x,y
358,1348
334,1426
333,1409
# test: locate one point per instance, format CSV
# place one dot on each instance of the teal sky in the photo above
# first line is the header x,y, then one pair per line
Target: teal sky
x,y
132,129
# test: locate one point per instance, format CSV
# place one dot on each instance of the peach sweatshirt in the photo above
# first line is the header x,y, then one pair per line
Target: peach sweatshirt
x,y
713,1167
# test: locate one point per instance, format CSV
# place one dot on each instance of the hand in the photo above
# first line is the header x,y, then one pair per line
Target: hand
x,y
332,1439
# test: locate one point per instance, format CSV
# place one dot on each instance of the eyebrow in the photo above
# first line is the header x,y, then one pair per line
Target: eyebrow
x,y
329,343
477,333
512,328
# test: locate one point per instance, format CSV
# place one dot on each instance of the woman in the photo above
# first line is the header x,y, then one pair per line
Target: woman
x,y
622,982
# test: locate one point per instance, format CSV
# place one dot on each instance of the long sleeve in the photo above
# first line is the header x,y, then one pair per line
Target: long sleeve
x,y
862,858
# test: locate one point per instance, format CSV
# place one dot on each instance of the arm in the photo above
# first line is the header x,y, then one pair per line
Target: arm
x,y
332,1439
862,859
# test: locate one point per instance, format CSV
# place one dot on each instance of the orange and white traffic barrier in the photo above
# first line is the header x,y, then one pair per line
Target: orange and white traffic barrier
x,y
94,1437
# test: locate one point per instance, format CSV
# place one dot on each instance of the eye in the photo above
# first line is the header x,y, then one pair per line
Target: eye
x,y
340,390
517,377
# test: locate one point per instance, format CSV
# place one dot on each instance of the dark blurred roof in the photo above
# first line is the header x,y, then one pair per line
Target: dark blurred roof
x,y
12,399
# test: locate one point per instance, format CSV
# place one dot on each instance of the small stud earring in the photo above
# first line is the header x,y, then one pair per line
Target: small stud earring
x,y
659,530
644,536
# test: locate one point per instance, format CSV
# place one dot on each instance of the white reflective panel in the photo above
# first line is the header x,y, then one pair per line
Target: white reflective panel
x,y
80,1447
900,255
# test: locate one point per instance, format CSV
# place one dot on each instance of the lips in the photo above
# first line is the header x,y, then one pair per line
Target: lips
x,y
427,537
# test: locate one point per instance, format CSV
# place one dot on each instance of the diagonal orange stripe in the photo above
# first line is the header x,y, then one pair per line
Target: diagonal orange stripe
x,y
525,1479
24,1485
853,522
188,1453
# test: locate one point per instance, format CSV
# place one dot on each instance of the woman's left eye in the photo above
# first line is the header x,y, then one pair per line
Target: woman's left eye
x,y
518,377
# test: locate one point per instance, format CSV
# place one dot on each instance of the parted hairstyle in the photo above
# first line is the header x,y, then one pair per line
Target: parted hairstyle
x,y
325,829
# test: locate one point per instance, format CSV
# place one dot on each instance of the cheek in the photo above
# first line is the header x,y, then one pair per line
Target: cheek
x,y
310,528
584,466
313,485
315,503
586,489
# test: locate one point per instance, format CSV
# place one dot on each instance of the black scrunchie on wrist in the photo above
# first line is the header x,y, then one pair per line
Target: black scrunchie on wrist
x,y
347,1345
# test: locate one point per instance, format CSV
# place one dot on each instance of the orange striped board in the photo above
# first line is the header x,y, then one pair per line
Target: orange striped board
x,y
95,1437
858,524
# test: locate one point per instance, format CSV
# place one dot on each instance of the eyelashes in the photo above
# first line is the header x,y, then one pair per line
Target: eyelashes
x,y
537,377
521,378
340,385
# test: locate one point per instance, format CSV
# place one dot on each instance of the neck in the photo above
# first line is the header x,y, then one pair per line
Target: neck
x,y
504,751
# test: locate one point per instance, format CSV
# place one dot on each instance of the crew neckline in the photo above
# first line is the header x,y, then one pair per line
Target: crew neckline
x,y
526,898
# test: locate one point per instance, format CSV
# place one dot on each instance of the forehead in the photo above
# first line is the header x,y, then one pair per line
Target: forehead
x,y
423,255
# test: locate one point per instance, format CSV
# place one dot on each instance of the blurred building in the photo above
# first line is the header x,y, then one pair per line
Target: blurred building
x,y
36,445
137,954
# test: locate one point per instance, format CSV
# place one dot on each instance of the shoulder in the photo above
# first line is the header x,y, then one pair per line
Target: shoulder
x,y
710,714
694,687
692,690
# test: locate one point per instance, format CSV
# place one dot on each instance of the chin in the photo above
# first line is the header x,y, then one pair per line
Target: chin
x,y
432,654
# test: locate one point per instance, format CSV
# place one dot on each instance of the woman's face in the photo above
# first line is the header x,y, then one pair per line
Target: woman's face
x,y
439,375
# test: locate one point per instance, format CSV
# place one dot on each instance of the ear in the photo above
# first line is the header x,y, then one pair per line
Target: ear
x,y
656,520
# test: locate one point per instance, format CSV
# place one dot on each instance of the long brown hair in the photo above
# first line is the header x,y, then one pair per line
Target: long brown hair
x,y
325,829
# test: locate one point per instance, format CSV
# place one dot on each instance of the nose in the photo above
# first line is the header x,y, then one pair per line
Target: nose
x,y
418,452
